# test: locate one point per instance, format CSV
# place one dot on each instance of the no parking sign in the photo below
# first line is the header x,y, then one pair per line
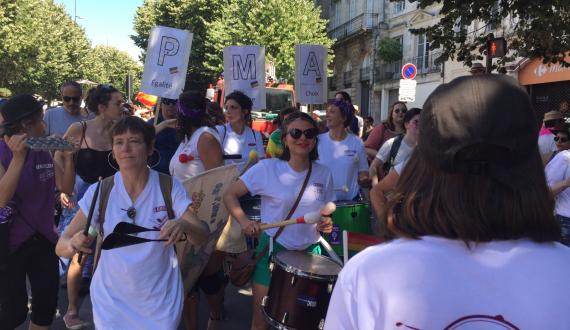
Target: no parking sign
x,y
407,91
409,71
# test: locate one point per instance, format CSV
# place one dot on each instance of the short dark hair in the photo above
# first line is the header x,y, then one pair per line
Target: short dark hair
x,y
345,96
135,125
244,102
286,155
99,95
195,101
71,83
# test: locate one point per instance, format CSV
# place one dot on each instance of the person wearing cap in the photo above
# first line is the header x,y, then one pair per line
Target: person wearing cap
x,y
477,69
28,179
166,141
397,149
343,152
546,144
476,242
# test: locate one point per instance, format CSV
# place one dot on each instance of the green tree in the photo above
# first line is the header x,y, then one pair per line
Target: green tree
x,y
540,28
41,47
277,25
108,65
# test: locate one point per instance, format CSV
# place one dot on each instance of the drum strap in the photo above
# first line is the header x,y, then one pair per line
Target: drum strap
x,y
301,192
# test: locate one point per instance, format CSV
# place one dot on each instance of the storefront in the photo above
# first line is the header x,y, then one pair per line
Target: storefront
x,y
548,86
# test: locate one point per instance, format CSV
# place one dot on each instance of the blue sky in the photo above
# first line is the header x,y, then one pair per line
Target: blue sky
x,y
107,22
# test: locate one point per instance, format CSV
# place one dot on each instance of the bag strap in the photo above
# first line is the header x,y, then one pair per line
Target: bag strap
x,y
165,182
106,187
266,249
393,153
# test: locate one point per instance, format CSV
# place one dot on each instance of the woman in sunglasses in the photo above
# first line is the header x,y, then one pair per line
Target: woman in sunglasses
x,y
558,177
343,152
278,182
92,161
137,286
391,127
561,138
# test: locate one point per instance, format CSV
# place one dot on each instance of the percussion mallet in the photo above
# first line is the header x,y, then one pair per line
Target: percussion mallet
x,y
253,158
87,231
307,218
343,189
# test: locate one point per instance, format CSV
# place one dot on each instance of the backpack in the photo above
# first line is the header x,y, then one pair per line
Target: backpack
x,y
393,153
165,182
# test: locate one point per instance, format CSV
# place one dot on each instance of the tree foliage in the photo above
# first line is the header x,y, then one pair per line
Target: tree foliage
x,y
540,28
277,25
389,50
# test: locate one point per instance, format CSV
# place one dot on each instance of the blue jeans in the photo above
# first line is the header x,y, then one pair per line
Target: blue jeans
x,y
565,225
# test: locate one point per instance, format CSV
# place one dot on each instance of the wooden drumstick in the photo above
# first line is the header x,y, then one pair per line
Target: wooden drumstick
x,y
307,218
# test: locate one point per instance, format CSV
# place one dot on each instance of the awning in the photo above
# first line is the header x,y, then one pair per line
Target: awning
x,y
535,72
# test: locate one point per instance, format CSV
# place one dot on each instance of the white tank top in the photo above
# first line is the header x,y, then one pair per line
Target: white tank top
x,y
186,170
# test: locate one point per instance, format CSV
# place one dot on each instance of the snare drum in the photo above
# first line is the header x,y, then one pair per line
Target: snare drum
x,y
300,290
251,205
350,216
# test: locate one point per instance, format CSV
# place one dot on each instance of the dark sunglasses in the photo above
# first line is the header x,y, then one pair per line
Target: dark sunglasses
x,y
560,139
398,111
69,98
168,101
310,133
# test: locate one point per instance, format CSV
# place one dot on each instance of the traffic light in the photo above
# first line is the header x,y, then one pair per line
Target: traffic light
x,y
497,47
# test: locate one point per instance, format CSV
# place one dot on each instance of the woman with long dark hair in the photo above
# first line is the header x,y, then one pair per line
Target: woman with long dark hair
x,y
393,126
287,175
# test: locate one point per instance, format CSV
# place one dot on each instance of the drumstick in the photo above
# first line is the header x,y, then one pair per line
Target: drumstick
x,y
343,189
90,215
253,158
184,158
307,218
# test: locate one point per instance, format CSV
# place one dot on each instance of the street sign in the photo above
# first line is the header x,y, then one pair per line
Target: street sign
x,y
409,71
407,91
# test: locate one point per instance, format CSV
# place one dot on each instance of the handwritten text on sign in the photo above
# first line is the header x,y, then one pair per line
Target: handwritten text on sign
x,y
244,70
311,74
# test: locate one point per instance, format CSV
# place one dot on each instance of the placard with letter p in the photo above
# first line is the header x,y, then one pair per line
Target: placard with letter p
x,y
311,74
244,70
166,62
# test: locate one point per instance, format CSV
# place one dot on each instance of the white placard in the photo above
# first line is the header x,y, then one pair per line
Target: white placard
x,y
244,70
407,91
311,74
166,62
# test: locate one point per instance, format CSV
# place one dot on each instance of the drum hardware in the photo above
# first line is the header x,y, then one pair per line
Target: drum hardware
x,y
293,280
285,317
271,266
264,301
330,288
322,324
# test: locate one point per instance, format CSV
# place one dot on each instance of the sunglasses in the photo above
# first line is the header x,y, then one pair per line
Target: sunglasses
x,y
399,110
310,133
560,139
69,98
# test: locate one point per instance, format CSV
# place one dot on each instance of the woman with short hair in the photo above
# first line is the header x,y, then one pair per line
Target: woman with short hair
x,y
476,242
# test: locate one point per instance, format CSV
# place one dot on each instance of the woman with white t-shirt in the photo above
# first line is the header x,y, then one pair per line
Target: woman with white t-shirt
x,y
342,152
398,148
476,240
278,182
236,136
200,150
132,284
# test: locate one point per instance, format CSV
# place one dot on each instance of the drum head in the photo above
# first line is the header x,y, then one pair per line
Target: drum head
x,y
307,264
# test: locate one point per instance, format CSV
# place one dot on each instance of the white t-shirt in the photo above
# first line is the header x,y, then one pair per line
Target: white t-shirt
x,y
137,286
437,283
557,170
185,171
400,167
546,144
345,159
236,144
279,185
404,151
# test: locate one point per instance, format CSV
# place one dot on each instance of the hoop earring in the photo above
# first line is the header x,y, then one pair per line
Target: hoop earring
x,y
110,162
154,150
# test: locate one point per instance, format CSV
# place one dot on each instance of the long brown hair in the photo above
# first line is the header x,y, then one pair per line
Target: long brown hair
x,y
472,208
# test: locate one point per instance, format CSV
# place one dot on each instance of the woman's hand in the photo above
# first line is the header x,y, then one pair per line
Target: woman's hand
x,y
173,230
251,228
326,225
17,144
168,123
81,243
67,201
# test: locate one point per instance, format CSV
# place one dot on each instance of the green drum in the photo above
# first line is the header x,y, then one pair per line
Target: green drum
x,y
350,216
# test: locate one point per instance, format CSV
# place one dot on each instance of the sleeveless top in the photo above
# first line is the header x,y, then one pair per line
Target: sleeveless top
x,y
186,170
91,164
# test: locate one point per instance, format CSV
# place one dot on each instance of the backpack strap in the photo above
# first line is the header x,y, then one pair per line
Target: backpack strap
x,y
106,187
165,182
393,153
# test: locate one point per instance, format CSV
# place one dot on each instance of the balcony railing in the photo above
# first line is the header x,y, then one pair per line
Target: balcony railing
x,y
347,78
362,22
365,74
424,64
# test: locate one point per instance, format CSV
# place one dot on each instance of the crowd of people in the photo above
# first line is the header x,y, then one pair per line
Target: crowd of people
x,y
471,209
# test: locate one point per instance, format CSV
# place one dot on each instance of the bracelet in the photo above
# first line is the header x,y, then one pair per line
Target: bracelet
x,y
5,214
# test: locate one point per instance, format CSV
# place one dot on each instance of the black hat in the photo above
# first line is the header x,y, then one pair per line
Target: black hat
x,y
481,125
19,107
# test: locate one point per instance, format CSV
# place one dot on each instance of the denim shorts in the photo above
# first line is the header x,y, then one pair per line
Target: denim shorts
x,y
565,226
